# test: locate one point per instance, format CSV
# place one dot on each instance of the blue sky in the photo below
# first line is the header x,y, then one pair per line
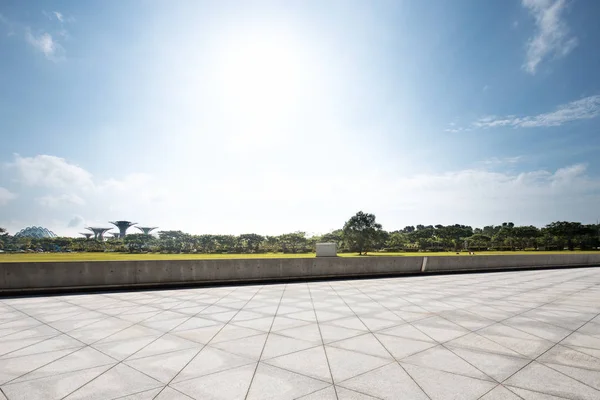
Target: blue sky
x,y
269,117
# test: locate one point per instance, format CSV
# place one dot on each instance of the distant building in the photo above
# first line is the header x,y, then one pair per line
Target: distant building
x,y
146,230
98,232
123,226
37,232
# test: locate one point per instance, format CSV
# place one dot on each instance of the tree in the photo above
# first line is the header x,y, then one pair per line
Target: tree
x,y
567,230
3,237
361,231
136,242
293,242
251,242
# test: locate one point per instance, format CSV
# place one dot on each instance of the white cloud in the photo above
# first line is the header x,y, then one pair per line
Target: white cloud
x,y
46,44
6,196
480,196
495,161
586,108
76,222
58,200
551,37
51,172
58,16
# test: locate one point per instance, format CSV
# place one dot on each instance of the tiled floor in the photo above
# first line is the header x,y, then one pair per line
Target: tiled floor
x,y
518,335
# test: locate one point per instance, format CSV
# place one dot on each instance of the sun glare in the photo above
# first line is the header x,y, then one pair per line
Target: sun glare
x,y
264,77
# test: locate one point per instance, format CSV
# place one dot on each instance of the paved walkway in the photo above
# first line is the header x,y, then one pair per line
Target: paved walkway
x,y
517,335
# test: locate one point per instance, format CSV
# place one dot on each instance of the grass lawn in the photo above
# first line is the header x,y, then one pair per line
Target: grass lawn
x,y
49,257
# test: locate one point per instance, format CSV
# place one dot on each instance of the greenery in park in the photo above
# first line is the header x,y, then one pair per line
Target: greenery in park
x,y
359,235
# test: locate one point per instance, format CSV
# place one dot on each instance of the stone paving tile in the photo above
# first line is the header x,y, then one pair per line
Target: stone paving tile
x,y
532,335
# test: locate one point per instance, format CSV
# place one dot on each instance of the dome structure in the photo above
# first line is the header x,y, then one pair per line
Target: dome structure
x,y
35,232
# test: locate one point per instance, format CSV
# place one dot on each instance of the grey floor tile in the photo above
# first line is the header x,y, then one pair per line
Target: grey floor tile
x,y
168,393
84,358
278,345
538,328
407,331
209,361
441,385
231,332
440,329
500,393
349,322
496,366
163,367
52,387
199,335
388,382
311,362
409,315
18,344
477,342
55,343
227,385
583,340
306,316
589,377
308,333
467,319
401,347
516,340
133,332
145,395
539,378
250,347
260,324
377,324
347,394
366,344
122,349
331,333
328,393
568,356
12,368
531,395
345,364
118,381
282,322
442,359
166,344
272,383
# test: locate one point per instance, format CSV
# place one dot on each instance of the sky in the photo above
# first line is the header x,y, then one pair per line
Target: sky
x,y
280,116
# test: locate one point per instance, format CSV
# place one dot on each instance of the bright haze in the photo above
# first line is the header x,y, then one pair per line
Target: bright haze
x,y
271,117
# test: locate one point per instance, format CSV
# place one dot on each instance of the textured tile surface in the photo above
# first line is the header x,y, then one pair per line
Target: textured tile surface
x,y
512,335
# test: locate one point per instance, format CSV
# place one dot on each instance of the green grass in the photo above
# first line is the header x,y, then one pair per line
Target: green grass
x,y
49,257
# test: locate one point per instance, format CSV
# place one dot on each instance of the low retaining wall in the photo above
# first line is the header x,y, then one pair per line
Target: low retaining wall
x,y
31,277
486,263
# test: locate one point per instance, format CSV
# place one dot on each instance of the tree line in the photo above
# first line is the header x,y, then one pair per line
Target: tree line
x,y
361,233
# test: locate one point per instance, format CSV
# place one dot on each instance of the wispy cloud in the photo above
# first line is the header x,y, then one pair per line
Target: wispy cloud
x,y
58,16
497,161
51,172
6,196
551,37
63,199
586,108
46,44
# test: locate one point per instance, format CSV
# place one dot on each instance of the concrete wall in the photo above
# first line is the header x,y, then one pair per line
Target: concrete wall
x,y
21,277
485,263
